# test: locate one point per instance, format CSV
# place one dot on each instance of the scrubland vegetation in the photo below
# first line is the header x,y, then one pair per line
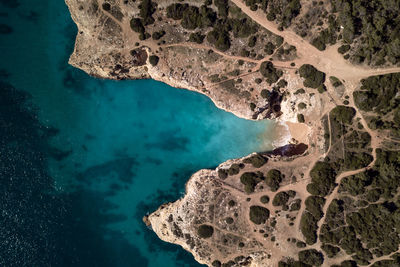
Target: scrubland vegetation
x,y
379,94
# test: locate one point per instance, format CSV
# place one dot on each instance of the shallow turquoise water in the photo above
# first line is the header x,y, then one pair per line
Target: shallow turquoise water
x,y
120,149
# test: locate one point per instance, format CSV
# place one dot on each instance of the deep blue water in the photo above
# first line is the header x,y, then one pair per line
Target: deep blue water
x,y
83,159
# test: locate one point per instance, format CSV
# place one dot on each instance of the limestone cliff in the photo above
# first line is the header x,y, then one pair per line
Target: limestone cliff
x,y
263,209
107,47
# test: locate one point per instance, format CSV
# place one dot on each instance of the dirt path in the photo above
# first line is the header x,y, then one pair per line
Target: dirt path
x,y
278,64
375,141
328,61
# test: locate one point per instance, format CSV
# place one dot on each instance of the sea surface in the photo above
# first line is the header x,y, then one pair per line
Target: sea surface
x,y
82,160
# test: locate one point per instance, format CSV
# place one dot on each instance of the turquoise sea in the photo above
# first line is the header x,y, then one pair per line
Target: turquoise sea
x,y
82,160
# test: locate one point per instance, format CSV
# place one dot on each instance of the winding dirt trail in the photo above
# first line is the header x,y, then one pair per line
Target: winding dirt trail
x,y
328,61
333,64
375,141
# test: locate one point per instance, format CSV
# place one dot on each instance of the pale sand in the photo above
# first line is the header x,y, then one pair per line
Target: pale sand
x,y
299,132
290,133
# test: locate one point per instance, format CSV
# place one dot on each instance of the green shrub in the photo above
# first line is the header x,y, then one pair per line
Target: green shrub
x,y
282,83
280,199
295,205
312,257
265,93
137,25
216,263
268,70
302,105
343,114
191,18
196,37
269,48
319,43
223,7
252,41
335,81
323,177
242,28
322,89
106,6
220,39
301,244
158,35
235,72
273,179
229,220
256,160
354,161
205,231
330,251
250,180
264,199
355,184
175,11
313,77
222,174
343,49
258,214
309,227
153,59
314,205
279,40
146,10
348,263
378,94
234,169
300,118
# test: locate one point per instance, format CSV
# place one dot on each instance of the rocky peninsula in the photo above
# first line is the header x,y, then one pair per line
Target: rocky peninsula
x,y
308,202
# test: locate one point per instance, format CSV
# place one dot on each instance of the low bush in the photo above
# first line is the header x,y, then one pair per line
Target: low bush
x,y
314,205
273,179
323,177
280,199
343,114
256,160
312,257
158,35
300,118
205,231
295,205
234,169
258,214
222,174
153,59
196,37
335,81
264,199
250,180
330,251
309,227
343,49
268,70
137,25
313,77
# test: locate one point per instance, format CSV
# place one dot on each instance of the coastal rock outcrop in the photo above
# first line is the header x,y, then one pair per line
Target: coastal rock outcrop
x,y
296,206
